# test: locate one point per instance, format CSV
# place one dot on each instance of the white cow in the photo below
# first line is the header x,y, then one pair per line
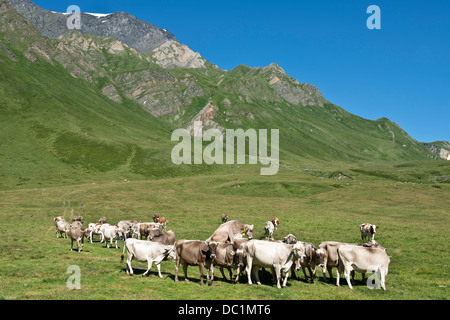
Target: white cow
x,y
362,259
269,228
368,231
152,252
275,255
62,226
112,233
96,228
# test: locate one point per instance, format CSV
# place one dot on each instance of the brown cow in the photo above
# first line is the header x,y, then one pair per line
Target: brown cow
x,y
276,222
309,261
230,230
144,228
156,235
228,256
368,231
161,220
194,253
78,234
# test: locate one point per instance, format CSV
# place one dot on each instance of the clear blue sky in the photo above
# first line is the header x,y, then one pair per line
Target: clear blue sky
x,y
401,72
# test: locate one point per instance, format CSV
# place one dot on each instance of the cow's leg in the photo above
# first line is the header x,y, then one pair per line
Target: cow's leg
x,y
338,277
208,270
223,274
177,265
277,271
102,237
78,245
231,274
285,278
311,274
248,269
255,273
185,266
149,267
347,277
274,277
71,244
200,267
304,272
382,274
128,265
116,244
159,270
330,272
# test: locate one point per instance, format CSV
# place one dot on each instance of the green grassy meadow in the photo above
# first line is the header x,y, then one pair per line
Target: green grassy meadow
x,y
412,218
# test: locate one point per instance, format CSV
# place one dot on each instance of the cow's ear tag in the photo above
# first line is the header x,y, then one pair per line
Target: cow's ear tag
x,y
243,233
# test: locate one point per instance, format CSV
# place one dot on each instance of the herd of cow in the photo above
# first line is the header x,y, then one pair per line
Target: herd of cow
x,y
227,248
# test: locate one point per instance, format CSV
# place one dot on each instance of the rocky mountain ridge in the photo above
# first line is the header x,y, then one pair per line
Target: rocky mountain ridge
x,y
140,35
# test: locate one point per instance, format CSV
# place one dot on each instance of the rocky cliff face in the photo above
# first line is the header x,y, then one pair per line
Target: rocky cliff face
x,y
440,148
140,35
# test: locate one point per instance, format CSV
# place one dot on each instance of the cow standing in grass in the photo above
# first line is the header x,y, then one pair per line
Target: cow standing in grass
x,y
76,233
194,253
146,251
275,255
62,226
368,231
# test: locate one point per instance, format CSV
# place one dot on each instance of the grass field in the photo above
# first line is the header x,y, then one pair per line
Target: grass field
x,y
413,218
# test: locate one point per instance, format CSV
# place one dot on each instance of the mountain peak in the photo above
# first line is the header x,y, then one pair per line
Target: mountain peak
x,y
140,35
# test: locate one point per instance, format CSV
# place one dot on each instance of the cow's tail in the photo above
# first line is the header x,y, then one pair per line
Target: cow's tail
x,y
123,253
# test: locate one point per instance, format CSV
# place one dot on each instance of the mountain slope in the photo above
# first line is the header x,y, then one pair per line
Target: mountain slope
x,y
93,108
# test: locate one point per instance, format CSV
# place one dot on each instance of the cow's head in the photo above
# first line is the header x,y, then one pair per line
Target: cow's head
x,y
120,233
276,222
290,239
170,253
153,233
248,230
298,250
239,254
209,247
374,244
320,258
155,217
373,229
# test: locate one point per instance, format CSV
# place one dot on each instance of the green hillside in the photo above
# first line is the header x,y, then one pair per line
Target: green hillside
x,y
60,125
